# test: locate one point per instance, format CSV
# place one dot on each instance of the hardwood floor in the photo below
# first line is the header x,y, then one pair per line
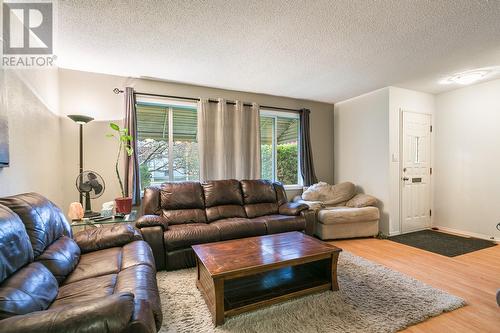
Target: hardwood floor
x,y
474,276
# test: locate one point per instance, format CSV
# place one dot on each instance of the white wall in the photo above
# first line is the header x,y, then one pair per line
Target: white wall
x,y
361,146
467,159
402,100
91,94
366,147
34,135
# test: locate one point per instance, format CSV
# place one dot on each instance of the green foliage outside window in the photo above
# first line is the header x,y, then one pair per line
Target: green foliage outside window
x,y
266,152
286,163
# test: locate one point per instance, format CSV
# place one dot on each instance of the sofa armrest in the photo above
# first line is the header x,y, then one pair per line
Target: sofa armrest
x,y
105,314
102,238
310,217
154,237
151,221
292,208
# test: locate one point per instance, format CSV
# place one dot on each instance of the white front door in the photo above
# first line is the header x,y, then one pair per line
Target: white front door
x,y
416,172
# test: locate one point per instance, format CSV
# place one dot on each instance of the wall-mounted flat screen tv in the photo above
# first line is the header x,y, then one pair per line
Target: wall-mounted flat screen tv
x,y
4,142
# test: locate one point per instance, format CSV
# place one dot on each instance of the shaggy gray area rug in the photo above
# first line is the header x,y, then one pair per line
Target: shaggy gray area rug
x,y
372,298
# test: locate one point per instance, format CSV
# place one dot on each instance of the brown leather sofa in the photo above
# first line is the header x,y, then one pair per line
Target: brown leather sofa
x,y
102,280
179,215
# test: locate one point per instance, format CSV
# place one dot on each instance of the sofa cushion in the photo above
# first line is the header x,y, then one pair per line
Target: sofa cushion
x,y
261,209
225,211
259,197
258,191
102,238
30,289
85,290
15,245
346,230
95,264
361,200
348,215
222,192
283,223
233,228
184,216
43,220
185,195
107,314
132,269
182,203
137,253
183,236
223,199
61,257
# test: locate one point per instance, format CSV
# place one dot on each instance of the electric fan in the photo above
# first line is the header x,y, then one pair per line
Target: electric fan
x,y
91,185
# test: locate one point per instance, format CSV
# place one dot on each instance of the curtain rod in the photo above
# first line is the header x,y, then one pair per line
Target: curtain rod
x,y
118,91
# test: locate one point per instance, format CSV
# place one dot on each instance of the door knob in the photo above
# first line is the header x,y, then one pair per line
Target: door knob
x,y
405,178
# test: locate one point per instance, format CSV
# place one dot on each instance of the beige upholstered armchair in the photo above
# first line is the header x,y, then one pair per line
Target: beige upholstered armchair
x,y
341,212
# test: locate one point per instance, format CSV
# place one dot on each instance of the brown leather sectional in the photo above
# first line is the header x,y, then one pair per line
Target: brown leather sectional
x,y
179,215
100,280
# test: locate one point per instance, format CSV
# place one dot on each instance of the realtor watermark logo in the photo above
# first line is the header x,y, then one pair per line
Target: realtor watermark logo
x,y
28,34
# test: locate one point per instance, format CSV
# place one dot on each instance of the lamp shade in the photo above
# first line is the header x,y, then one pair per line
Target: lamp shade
x,y
80,119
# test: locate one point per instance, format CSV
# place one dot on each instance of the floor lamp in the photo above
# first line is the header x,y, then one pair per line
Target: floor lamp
x,y
80,120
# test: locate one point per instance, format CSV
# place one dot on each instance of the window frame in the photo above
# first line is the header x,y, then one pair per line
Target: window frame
x,y
169,105
274,115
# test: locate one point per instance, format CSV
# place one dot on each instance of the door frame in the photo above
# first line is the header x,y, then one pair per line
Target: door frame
x,y
401,163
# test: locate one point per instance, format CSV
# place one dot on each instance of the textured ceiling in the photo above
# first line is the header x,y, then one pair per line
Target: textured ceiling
x,y
319,50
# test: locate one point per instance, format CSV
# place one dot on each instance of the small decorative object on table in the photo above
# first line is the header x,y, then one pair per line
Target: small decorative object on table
x,y
75,211
107,209
124,203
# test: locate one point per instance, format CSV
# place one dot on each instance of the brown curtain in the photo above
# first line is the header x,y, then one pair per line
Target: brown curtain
x,y
306,156
132,177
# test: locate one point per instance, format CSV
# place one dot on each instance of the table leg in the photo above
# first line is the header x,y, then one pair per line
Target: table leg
x,y
335,283
198,269
219,301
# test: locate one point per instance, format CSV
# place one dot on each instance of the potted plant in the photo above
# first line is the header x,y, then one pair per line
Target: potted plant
x,y
123,204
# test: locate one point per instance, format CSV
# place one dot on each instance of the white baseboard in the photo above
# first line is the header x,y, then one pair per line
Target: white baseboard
x,y
468,233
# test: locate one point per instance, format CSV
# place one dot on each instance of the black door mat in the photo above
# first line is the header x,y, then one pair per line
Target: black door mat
x,y
442,243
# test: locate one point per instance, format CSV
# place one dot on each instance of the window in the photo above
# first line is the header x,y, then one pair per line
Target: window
x,y
166,142
279,133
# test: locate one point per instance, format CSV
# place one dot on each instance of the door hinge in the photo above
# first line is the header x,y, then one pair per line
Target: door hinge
x,y
431,171
431,128
430,212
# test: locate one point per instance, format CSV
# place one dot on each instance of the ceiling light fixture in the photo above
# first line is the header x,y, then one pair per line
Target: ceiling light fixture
x,y
471,76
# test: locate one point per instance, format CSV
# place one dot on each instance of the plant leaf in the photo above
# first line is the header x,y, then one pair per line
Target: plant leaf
x,y
114,126
130,150
109,135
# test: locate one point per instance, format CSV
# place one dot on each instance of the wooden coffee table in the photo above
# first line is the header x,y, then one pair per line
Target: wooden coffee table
x,y
245,274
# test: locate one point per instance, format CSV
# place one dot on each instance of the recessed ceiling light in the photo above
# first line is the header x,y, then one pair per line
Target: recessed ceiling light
x,y
471,76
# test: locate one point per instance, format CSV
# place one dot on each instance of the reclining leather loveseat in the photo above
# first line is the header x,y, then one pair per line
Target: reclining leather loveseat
x,y
179,215
102,280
